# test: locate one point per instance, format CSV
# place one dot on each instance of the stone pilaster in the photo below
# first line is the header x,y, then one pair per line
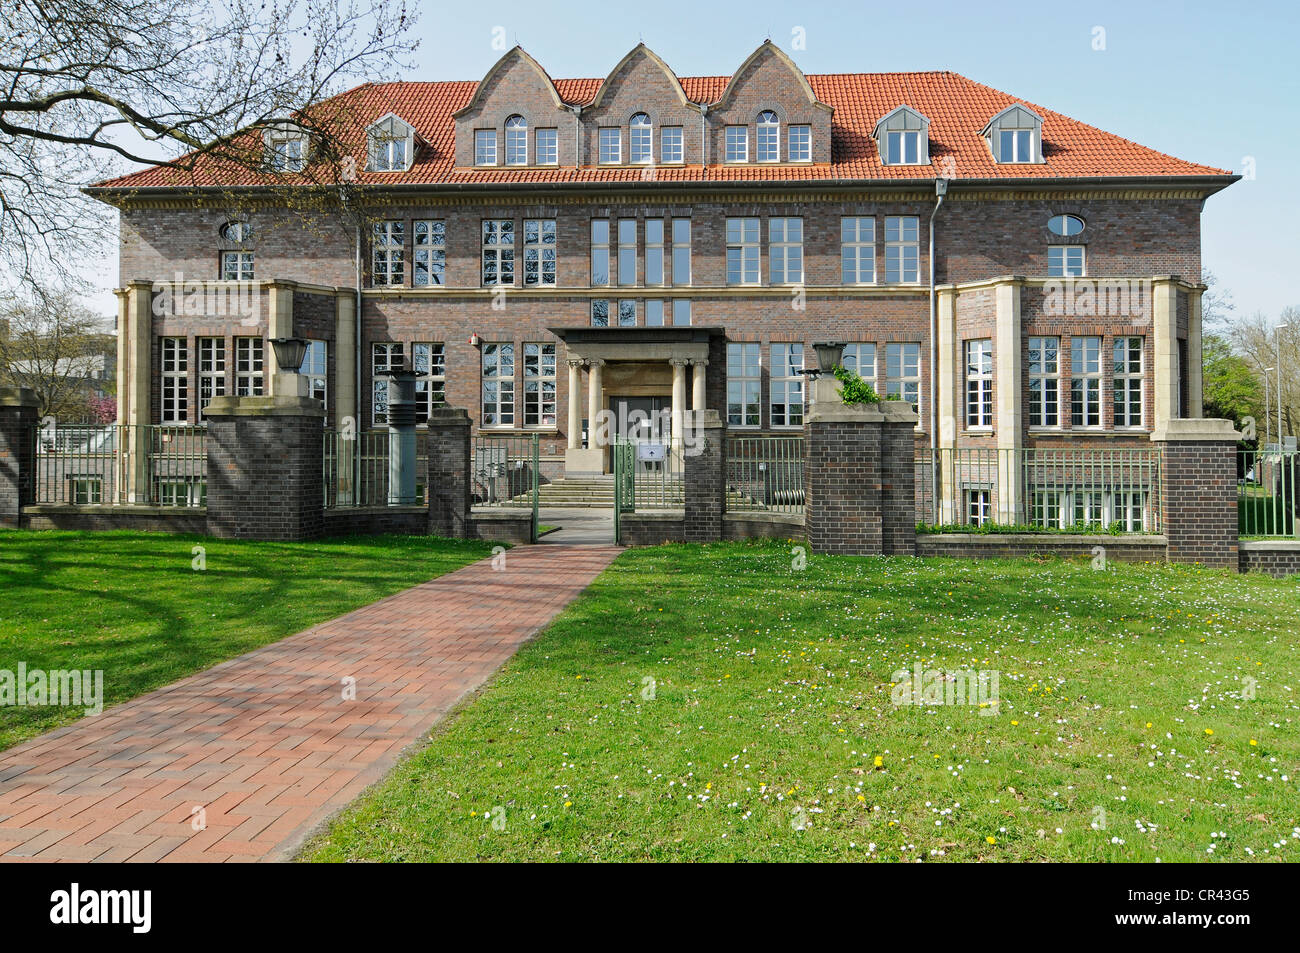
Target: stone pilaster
x,y
265,462
18,421
704,477
1198,492
449,472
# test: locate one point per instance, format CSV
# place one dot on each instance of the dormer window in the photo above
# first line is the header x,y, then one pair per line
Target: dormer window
x,y
516,141
737,144
903,137
1015,135
611,145
769,137
639,143
485,147
286,148
390,145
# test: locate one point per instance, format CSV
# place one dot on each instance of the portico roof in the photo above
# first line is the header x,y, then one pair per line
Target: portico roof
x,y
639,344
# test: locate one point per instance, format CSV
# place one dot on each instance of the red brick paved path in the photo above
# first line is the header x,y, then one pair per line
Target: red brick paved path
x,y
265,743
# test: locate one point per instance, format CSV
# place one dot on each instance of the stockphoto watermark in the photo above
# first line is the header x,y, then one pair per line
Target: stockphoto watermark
x,y
646,427
64,688
182,297
922,686
1098,297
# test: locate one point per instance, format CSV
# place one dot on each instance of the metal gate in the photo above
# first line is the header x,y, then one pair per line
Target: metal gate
x,y
505,473
623,452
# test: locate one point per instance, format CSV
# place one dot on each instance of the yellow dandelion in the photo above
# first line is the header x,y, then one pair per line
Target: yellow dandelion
x,y
991,839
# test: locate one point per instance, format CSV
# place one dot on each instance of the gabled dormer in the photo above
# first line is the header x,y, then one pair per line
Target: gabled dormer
x,y
903,137
286,147
1015,135
768,113
390,144
641,116
515,114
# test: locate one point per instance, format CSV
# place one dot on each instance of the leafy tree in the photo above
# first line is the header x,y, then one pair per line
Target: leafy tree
x,y
1232,389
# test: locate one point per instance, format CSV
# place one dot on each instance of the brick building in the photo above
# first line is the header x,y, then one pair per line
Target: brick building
x,y
545,250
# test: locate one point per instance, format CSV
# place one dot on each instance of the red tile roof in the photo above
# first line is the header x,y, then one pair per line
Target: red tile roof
x,y
957,107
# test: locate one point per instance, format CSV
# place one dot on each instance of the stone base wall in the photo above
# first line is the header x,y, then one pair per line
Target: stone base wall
x,y
506,526
377,520
1276,557
147,519
651,529
1128,549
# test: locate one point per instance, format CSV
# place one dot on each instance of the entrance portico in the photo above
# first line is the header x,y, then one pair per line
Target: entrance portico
x,y
631,373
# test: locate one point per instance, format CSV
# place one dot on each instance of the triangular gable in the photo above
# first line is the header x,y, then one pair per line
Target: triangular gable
x,y
768,48
515,55
645,52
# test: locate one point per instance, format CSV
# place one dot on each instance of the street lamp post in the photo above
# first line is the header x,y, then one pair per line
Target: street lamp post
x,y
1268,406
1277,346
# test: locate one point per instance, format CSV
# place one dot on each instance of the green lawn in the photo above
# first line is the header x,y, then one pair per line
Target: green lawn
x,y
715,703
133,605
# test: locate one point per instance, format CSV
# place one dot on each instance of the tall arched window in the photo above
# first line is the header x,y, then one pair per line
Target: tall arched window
x,y
769,137
639,148
516,141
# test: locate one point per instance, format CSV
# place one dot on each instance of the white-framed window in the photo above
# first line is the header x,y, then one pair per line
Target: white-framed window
x,y
236,231
389,146
388,252
671,147
599,312
1085,381
681,312
547,142
1065,225
430,250
385,357
737,144
742,251
681,251
286,150
1016,145
640,140
600,252
1129,509
799,144
744,384
237,266
86,490
903,147
654,252
785,250
654,313
627,312
768,141
539,385
1044,382
979,383
1089,508
860,357
1065,261
498,385
182,491
498,251
626,252
1128,390
902,249
858,250
212,370
660,313
516,141
786,405
429,361
539,252
903,372
316,368
1046,508
977,507
175,381
250,366
485,147
610,140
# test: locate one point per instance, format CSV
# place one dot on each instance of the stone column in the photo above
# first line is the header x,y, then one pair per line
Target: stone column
x,y
595,400
699,384
139,382
279,324
1007,410
265,461
1198,492
18,422
1164,342
943,474
449,472
679,402
345,389
704,476
575,404
1195,383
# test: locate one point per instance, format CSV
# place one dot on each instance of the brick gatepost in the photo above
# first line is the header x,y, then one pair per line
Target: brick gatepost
x,y
449,472
265,468
841,475
18,419
1198,492
704,475
898,478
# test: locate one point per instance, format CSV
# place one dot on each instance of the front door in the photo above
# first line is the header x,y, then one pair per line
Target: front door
x,y
642,419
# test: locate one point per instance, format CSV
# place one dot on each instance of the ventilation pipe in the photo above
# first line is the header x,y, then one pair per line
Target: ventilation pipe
x,y
401,438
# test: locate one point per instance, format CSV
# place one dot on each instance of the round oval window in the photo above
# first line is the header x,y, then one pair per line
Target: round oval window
x,y
1065,225
236,231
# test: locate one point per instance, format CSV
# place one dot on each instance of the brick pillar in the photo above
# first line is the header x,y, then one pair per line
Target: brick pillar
x,y
842,474
449,473
265,463
898,479
18,419
1198,491
704,477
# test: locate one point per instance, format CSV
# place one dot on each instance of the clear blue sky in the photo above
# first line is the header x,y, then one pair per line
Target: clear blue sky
x,y
1209,82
